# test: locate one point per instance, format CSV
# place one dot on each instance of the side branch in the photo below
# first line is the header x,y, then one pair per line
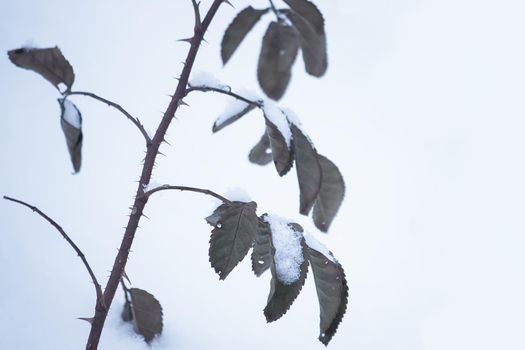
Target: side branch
x,y
134,120
204,88
98,289
186,188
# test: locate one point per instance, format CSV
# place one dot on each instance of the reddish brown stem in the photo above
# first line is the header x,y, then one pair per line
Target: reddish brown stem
x,y
149,161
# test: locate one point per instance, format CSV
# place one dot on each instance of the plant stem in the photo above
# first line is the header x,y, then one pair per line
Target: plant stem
x,y
149,161
186,188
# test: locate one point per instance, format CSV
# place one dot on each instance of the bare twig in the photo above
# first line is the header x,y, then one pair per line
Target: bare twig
x,y
204,88
134,120
98,289
186,188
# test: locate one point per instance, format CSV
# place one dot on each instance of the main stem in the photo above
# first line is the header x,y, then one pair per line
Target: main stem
x,y
149,161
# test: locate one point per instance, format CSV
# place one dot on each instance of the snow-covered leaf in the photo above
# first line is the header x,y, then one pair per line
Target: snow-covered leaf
x,y
331,194
332,290
289,267
235,226
308,169
146,313
49,63
281,152
71,121
228,118
279,50
261,153
238,29
262,252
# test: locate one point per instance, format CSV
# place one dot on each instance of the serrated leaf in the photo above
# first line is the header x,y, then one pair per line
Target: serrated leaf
x,y
238,29
235,226
309,12
262,250
308,170
332,292
147,314
49,63
282,295
71,122
282,155
279,50
261,153
224,121
331,194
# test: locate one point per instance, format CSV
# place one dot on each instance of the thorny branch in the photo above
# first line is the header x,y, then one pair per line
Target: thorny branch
x,y
204,88
98,289
134,120
186,188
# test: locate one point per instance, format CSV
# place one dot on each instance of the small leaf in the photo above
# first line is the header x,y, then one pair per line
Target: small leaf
x,y
282,293
309,22
71,121
235,226
262,251
238,29
279,50
49,63
331,194
332,292
224,121
147,314
261,153
127,314
281,153
308,170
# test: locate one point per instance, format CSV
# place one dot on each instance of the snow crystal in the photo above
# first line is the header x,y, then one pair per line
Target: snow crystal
x,y
151,186
288,250
237,194
207,79
320,247
71,114
277,117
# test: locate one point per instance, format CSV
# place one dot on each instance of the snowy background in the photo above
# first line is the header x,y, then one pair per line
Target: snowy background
x,y
422,110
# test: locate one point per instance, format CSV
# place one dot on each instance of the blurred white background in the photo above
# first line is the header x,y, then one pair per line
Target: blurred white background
x,y
421,108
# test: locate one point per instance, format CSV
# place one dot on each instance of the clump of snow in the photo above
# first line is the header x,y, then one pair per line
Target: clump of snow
x,y
202,78
313,243
237,194
278,118
71,114
288,250
151,185
292,117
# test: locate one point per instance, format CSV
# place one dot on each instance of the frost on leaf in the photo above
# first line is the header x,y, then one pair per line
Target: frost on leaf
x,y
279,49
71,122
262,250
145,312
289,266
331,286
238,29
235,226
331,194
49,63
308,170
309,23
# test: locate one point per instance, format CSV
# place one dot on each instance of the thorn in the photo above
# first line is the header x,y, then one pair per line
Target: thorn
x,y
145,216
165,141
186,40
87,319
229,3
182,103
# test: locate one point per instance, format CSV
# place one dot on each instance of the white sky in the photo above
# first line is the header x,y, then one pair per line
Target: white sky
x,y
421,108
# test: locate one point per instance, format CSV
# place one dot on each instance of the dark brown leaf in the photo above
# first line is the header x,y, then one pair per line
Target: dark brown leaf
x,y
232,118
332,292
261,153
127,314
235,226
71,121
238,29
279,50
308,170
331,194
49,62
262,252
281,153
147,314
